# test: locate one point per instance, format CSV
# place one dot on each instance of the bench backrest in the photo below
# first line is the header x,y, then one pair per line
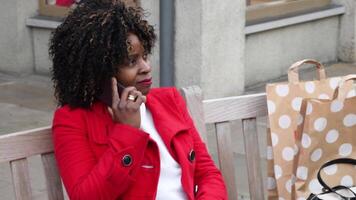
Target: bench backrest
x,y
220,112
15,148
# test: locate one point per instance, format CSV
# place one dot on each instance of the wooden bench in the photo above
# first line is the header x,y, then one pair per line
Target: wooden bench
x,y
15,148
221,112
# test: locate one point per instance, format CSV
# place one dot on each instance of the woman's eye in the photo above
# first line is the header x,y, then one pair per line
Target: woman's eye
x,y
145,57
133,61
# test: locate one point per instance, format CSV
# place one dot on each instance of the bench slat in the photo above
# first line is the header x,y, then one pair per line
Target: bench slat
x,y
253,159
53,181
26,143
232,108
226,158
21,179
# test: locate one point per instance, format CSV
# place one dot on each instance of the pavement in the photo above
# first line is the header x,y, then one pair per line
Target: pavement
x,y
27,102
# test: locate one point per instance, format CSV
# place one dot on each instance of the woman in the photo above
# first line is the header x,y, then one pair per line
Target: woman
x,y
139,143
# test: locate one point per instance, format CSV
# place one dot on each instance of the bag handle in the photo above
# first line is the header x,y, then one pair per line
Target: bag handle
x,y
293,75
334,189
341,91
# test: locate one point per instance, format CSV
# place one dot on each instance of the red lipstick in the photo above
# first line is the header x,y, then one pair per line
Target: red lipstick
x,y
147,81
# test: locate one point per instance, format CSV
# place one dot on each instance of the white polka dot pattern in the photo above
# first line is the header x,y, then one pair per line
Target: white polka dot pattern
x,y
274,139
332,136
310,87
334,82
284,121
350,120
302,173
306,141
288,153
345,150
286,103
296,103
309,108
289,185
347,181
282,90
336,106
300,119
320,124
315,187
330,170
316,155
327,133
301,198
271,107
296,150
278,171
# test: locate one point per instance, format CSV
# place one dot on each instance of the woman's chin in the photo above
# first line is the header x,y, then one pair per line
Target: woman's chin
x,y
144,90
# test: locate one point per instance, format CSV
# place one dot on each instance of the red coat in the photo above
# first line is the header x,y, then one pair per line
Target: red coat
x,y
90,147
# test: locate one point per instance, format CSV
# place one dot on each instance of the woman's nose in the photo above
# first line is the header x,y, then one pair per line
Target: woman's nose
x,y
145,66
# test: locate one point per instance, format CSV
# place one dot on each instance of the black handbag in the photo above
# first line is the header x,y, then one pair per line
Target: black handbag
x,y
326,188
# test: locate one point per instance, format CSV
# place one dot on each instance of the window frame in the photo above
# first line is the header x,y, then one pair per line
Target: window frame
x,y
278,9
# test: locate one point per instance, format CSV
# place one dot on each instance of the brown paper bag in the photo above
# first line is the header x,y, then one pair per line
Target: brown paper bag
x,y
328,132
284,101
272,192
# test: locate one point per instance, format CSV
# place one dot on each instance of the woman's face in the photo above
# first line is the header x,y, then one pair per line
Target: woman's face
x,y
137,70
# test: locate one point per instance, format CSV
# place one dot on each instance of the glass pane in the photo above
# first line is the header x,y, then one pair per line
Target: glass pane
x,y
254,2
66,3
51,2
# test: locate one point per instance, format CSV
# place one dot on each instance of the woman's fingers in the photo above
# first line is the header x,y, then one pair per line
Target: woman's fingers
x,y
115,95
127,109
138,100
124,97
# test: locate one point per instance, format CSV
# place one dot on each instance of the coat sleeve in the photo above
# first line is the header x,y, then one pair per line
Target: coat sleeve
x,y
207,177
84,175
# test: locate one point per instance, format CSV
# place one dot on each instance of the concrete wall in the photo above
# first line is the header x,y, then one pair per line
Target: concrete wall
x,y
16,50
269,54
347,43
40,44
209,46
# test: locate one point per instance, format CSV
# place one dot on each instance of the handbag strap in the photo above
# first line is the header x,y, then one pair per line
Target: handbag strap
x,y
339,187
334,189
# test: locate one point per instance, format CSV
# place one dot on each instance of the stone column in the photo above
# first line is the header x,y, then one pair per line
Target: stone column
x,y
347,43
16,49
209,46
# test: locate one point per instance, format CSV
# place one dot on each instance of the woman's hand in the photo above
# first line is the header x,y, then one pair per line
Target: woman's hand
x,y
124,110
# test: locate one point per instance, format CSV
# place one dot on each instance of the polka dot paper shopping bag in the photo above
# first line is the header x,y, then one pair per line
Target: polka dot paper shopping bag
x,y
328,132
284,101
272,192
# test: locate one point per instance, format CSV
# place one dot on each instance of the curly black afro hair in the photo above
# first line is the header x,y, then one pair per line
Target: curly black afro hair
x,y
90,45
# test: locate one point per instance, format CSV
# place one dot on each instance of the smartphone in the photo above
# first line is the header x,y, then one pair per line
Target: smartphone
x,y
106,96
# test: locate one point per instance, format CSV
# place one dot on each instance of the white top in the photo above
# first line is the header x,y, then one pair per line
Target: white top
x,y
169,183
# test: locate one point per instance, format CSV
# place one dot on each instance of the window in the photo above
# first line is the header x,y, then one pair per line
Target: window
x,y
49,8
265,10
60,8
